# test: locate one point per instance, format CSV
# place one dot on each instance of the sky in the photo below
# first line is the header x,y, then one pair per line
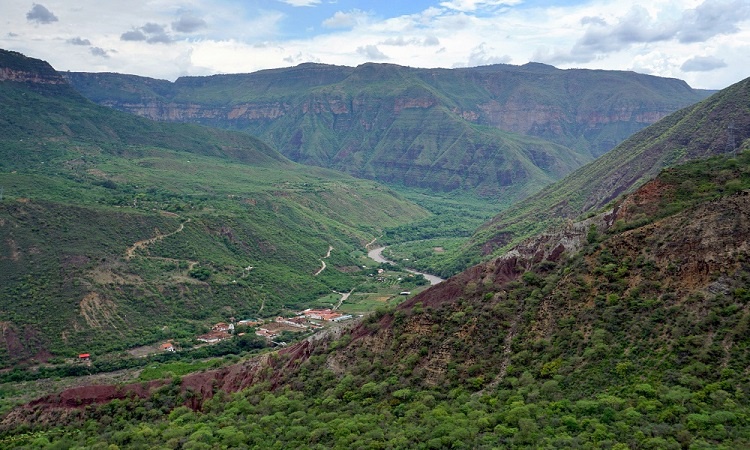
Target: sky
x,y
704,42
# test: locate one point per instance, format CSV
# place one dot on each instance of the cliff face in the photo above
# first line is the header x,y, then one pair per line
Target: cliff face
x,y
20,76
416,127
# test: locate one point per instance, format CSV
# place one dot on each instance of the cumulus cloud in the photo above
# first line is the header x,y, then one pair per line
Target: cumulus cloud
x,y
40,14
593,20
78,41
482,55
372,53
301,2
152,33
702,64
712,18
134,35
473,5
349,19
97,51
188,24
403,42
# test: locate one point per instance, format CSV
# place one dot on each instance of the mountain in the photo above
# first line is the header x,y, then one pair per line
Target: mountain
x,y
695,132
498,132
117,231
628,329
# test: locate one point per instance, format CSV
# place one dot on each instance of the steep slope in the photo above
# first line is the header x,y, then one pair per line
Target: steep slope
x,y
118,231
498,132
626,330
694,132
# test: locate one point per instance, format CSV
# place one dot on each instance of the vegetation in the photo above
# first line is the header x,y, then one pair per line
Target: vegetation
x,y
622,345
119,232
497,133
692,133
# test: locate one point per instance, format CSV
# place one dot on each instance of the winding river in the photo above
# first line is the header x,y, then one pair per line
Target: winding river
x,y
377,255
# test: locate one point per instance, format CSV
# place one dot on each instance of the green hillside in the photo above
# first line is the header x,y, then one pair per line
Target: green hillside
x,y
694,132
497,133
117,231
634,336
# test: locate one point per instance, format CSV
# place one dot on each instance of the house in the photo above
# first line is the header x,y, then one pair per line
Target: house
x,y
250,322
321,314
297,322
84,357
213,337
221,326
342,318
167,347
262,332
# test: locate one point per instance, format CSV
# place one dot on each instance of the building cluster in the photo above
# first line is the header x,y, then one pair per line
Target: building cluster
x,y
269,329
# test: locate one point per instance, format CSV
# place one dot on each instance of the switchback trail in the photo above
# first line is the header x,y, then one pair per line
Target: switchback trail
x,y
130,252
328,255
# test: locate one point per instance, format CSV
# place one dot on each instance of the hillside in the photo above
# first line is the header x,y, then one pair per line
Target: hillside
x,y
117,231
626,330
498,132
694,132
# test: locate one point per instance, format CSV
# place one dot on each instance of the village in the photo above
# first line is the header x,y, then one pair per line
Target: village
x,y
309,319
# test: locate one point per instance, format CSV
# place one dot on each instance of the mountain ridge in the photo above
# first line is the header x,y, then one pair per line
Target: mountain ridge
x,y
360,119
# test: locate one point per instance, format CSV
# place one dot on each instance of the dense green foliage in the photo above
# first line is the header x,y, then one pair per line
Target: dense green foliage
x,y
118,231
614,347
695,132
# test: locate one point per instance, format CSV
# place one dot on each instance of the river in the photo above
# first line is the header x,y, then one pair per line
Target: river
x,y
377,255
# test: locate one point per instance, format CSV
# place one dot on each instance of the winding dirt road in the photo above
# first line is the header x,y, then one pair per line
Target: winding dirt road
x,y
130,252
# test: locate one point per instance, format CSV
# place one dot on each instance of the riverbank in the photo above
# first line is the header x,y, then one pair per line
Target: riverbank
x,y
377,255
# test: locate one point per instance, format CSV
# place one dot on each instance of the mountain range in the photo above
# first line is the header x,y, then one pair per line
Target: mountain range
x,y
498,132
616,315
624,330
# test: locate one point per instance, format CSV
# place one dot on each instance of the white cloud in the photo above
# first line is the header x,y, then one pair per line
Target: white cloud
x,y
702,64
188,24
78,41
40,14
301,2
473,5
372,53
347,19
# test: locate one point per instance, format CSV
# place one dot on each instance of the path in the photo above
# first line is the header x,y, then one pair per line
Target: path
x,y
344,296
328,255
130,252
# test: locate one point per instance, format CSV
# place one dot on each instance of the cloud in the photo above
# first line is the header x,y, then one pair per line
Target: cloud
x,y
152,33
96,51
702,64
301,2
473,5
40,14
712,18
153,28
347,19
638,26
593,20
188,24
482,55
403,42
372,53
134,35
78,41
